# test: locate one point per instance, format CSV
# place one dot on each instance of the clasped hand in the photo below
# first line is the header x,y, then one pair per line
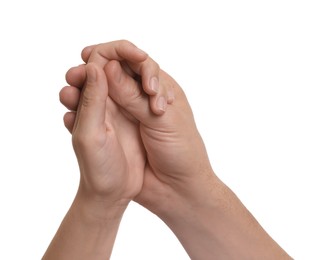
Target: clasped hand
x,y
135,138
133,130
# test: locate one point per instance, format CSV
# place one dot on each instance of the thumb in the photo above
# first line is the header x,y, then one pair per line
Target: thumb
x,y
92,105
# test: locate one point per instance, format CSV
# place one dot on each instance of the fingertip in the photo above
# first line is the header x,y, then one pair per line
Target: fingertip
x,y
69,96
161,104
151,86
149,72
76,76
69,120
114,71
154,85
86,52
170,96
158,104
62,95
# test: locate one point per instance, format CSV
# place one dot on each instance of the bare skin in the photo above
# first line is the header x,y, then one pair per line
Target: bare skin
x,y
178,183
111,158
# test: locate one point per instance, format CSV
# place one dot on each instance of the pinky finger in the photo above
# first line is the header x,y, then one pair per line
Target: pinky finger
x,y
69,120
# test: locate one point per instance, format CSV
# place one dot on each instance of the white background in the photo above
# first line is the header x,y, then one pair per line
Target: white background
x,y
256,75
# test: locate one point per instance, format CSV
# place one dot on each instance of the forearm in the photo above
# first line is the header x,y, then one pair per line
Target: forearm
x,y
216,225
88,231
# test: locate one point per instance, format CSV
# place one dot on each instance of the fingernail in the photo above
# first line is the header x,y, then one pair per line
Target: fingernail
x,y
154,84
171,96
161,103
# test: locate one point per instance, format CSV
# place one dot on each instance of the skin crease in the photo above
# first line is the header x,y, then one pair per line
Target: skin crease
x,y
111,159
161,136
160,159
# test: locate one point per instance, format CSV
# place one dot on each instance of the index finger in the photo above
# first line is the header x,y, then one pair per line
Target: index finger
x,y
121,50
137,61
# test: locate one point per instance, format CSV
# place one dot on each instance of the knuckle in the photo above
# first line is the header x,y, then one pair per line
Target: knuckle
x,y
96,50
86,101
156,65
78,141
87,141
125,42
88,98
131,95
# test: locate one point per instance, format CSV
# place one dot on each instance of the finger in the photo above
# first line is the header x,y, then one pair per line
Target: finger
x,y
136,59
130,72
76,76
69,96
116,50
160,94
170,95
85,54
158,102
127,92
69,119
92,106
147,70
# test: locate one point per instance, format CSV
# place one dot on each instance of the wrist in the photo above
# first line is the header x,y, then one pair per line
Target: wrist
x,y
212,223
193,194
88,230
94,207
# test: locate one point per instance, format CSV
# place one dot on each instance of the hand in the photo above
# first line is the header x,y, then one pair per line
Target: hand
x,y
134,61
111,159
179,184
176,158
177,166
107,144
137,64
